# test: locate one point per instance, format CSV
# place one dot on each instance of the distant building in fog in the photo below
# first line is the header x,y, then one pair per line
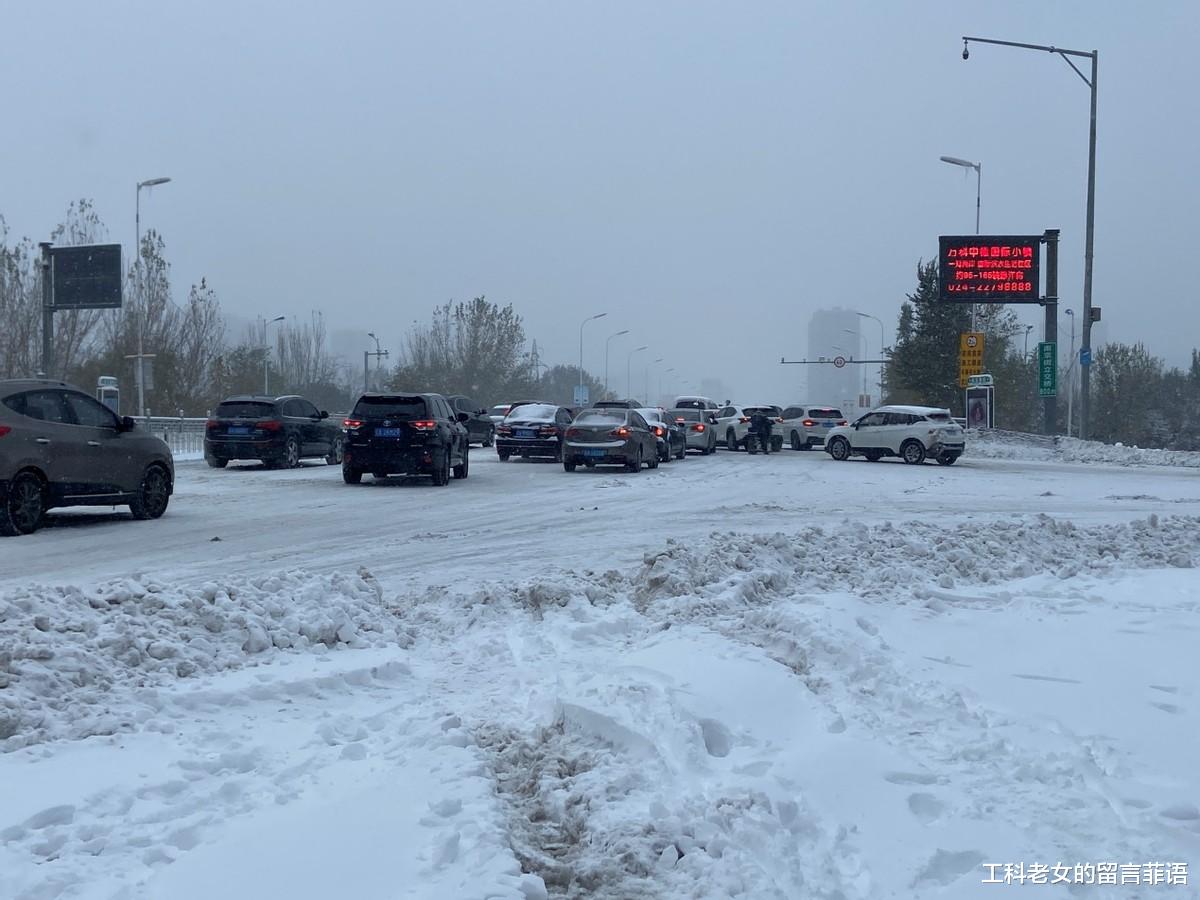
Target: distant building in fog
x,y
832,333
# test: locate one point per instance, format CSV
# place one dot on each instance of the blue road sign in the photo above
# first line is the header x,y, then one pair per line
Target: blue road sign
x,y
1085,356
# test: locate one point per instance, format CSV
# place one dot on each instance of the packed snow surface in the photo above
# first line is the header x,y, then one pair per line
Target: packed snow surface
x,y
742,677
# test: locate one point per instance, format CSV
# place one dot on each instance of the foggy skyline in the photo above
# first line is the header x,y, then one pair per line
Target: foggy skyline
x,y
708,175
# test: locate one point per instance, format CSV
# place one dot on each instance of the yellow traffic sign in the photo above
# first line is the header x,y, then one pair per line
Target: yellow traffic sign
x,y
970,356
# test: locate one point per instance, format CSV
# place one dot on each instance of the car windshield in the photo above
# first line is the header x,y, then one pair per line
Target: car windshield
x,y
943,417
765,410
390,407
600,417
245,409
533,412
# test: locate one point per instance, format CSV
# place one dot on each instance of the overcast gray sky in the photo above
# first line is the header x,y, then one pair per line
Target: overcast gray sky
x,y
708,174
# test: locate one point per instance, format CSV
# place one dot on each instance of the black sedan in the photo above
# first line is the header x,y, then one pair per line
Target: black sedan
x,y
533,430
610,437
405,434
672,441
280,431
479,424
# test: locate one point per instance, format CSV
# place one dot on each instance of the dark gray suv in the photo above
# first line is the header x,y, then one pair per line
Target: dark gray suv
x,y
61,447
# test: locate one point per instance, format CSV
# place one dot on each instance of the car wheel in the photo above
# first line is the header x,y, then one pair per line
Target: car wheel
x,y
215,462
912,452
682,452
731,442
464,468
291,453
839,449
569,465
153,494
947,459
503,455
635,465
796,445
441,475
655,461
25,507
336,451
351,475
489,438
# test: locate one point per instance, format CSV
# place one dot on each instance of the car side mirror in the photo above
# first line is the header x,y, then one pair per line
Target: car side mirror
x,y
324,414
127,423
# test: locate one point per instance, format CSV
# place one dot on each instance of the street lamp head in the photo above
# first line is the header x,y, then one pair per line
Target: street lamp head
x,y
1070,312
598,316
370,334
643,347
279,318
619,333
955,161
151,182
966,52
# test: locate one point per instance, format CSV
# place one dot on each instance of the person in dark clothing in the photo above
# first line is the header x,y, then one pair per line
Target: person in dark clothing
x,y
760,428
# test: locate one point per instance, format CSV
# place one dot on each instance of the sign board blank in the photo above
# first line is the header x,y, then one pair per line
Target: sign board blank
x,y
87,277
989,268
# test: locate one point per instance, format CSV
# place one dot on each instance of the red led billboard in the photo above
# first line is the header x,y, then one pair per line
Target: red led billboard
x,y
989,269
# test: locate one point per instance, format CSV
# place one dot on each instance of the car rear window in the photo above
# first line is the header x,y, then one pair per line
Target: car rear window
x,y
765,410
538,412
824,412
245,409
600,417
938,416
390,408
685,403
688,415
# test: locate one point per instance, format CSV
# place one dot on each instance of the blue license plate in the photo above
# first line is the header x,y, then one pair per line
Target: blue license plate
x,y
593,452
826,424
525,433
387,432
239,429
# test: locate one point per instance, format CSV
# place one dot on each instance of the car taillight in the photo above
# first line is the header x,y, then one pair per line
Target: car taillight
x,y
423,425
619,432
504,430
270,425
698,427
808,423
547,429
744,420
4,429
658,430
211,424
352,423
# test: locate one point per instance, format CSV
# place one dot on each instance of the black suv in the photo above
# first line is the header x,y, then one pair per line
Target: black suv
x,y
405,434
60,447
480,427
280,431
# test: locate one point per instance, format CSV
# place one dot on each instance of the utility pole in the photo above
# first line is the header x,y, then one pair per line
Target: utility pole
x,y
1050,404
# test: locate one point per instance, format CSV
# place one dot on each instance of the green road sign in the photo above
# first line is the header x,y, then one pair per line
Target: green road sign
x,y
1047,369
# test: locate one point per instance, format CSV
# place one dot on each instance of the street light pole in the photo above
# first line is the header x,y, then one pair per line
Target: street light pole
x,y
378,354
629,370
141,316
646,379
267,353
1025,355
606,343
881,339
978,167
1070,372
1085,347
581,324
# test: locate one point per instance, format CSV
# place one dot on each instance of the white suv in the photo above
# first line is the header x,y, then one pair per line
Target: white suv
x,y
733,424
805,427
910,432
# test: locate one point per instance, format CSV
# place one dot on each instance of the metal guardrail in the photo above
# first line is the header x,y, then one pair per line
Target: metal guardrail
x,y
182,434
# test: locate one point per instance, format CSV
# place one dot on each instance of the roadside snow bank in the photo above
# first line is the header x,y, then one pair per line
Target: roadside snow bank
x,y
998,444
64,650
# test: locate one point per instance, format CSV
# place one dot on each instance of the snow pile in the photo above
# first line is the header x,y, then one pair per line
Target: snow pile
x,y
999,444
64,650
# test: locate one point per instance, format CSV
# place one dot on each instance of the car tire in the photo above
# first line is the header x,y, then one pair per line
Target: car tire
x,y
489,438
153,494
912,452
336,451
731,441
635,465
24,509
947,459
351,475
291,453
655,462
464,468
441,470
839,449
216,463
503,454
569,465
682,452
796,445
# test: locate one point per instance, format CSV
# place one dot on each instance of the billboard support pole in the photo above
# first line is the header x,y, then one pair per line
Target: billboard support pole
x,y
1050,404
47,312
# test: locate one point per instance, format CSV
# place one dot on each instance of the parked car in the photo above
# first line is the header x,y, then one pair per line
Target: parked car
x,y
910,432
279,431
533,430
701,403
480,428
60,447
804,427
400,433
670,440
698,428
608,437
499,411
733,424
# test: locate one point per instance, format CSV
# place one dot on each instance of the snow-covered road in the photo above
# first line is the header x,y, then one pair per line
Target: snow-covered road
x,y
731,677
